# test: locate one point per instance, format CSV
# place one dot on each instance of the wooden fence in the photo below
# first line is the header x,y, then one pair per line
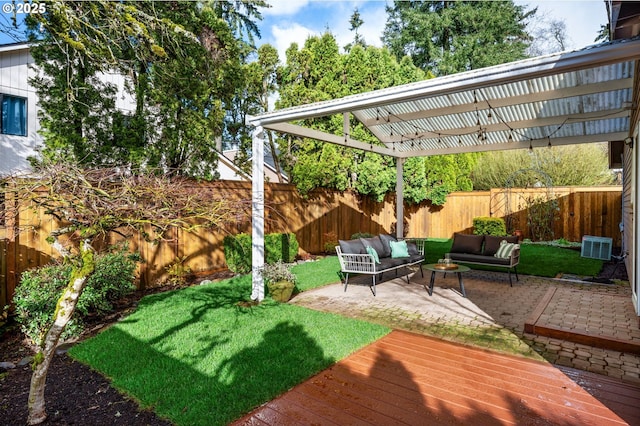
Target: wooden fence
x,y
325,216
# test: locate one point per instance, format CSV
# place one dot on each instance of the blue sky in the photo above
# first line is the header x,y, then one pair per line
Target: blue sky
x,y
291,21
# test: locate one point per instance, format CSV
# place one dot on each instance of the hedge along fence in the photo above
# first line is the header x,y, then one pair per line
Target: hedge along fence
x,y
323,215
238,253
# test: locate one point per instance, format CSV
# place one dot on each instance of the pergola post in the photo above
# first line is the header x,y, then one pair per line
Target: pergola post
x,y
399,198
257,214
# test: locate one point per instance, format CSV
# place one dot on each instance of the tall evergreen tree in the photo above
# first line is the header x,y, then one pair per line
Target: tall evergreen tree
x,y
355,22
446,37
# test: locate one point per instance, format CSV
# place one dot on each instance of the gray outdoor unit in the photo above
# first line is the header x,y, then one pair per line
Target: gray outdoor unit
x,y
596,247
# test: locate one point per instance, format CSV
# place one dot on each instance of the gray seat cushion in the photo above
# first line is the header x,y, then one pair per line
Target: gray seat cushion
x,y
386,239
465,243
376,243
477,258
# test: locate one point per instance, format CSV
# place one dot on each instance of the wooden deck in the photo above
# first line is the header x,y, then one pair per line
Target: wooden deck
x,y
407,378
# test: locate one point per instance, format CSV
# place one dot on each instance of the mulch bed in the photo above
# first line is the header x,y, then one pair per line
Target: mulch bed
x,y
76,395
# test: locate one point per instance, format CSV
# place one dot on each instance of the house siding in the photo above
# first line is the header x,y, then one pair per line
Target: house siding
x,y
14,80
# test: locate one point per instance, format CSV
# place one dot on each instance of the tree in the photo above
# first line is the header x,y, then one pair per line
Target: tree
x,y
548,36
446,37
355,22
260,79
567,165
190,92
181,78
604,34
90,203
317,72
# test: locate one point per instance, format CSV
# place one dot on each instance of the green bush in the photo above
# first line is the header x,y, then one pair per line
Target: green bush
x,y
40,288
237,253
361,235
489,226
237,250
282,247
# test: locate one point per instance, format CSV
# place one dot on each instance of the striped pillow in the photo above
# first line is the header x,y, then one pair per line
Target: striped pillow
x,y
505,249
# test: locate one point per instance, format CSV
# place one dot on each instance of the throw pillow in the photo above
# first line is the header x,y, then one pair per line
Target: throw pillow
x,y
373,253
505,250
413,248
399,249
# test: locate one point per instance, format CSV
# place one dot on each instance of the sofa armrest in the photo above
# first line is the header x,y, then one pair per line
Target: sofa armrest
x,y
356,263
419,242
515,257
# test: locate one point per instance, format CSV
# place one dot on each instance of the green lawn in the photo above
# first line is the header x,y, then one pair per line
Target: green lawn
x,y
198,357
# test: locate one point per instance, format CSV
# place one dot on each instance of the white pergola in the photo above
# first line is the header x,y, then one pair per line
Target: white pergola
x,y
583,96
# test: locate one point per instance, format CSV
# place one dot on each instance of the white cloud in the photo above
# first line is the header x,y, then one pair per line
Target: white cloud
x,y
284,36
375,18
284,7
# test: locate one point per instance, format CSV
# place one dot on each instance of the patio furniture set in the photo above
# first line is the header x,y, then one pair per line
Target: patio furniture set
x,y
383,253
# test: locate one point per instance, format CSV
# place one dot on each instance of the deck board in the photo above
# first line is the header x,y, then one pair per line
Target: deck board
x,y
406,378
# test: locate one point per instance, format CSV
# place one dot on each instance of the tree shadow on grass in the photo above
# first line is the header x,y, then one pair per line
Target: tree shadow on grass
x,y
172,355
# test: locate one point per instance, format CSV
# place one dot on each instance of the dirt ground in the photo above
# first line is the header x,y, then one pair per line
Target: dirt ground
x,y
76,395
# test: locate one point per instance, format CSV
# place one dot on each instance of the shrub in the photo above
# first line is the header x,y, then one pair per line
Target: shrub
x,y
330,242
282,247
278,247
40,288
489,226
237,253
361,235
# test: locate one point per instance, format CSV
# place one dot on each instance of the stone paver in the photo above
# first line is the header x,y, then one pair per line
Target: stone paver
x,y
493,314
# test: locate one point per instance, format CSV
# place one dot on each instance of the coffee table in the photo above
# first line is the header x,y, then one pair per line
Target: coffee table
x,y
434,267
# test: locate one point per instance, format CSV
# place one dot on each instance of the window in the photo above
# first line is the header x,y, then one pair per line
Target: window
x,y
14,115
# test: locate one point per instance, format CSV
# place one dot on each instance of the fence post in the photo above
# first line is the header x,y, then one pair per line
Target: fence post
x,y
11,237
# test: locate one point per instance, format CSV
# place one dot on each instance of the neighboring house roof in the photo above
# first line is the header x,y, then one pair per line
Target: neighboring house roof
x,y
270,172
229,171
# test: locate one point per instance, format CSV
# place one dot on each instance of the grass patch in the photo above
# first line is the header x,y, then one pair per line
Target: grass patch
x,y
197,357
318,273
535,259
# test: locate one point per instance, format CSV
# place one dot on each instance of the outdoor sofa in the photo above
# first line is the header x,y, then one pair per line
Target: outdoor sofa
x,y
377,255
487,250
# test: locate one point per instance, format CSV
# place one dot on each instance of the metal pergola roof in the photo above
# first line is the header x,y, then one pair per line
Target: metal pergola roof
x,y
565,98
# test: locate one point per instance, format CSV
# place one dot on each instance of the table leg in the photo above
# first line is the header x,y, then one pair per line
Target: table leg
x,y
461,284
431,281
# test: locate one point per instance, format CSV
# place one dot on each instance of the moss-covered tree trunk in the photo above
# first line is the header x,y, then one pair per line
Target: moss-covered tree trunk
x,y
64,310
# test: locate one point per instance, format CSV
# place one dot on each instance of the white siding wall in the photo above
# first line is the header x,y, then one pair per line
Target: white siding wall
x,y
14,75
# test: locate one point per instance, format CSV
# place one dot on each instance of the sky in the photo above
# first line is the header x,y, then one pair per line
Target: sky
x,y
289,21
